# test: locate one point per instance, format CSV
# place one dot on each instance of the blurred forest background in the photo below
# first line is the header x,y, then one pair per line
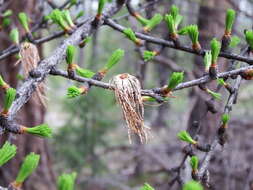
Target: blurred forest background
x,y
90,136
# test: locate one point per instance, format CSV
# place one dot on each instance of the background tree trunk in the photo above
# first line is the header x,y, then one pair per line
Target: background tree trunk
x,y
210,22
31,114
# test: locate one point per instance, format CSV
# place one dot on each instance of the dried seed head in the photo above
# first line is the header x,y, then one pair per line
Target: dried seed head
x,y
128,95
29,59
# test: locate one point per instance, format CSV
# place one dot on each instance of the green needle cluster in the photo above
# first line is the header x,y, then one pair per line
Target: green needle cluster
x,y
7,152
24,21
40,130
185,136
28,166
175,79
66,181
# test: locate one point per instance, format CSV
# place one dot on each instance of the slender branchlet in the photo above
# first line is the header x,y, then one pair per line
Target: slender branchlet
x,y
66,181
175,79
40,130
14,36
112,61
207,60
194,164
101,4
154,21
249,38
8,100
230,17
28,166
57,17
84,72
193,185
149,55
185,136
129,33
7,152
74,91
215,50
3,84
67,17
24,21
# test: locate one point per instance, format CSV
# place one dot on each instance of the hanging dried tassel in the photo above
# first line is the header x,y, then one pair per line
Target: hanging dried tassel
x,y
29,60
128,95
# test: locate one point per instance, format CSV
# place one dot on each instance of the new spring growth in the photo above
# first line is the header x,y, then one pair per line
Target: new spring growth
x,y
207,60
8,100
24,21
74,91
174,11
224,119
3,84
146,186
14,36
7,152
129,33
7,13
66,181
40,130
192,185
70,53
193,32
66,16
84,72
215,50
155,20
101,5
235,40
185,136
80,14
149,55
151,99
221,82
28,166
85,41
171,26
230,17
112,61
6,22
57,17
71,3
215,95
194,164
175,79
249,38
